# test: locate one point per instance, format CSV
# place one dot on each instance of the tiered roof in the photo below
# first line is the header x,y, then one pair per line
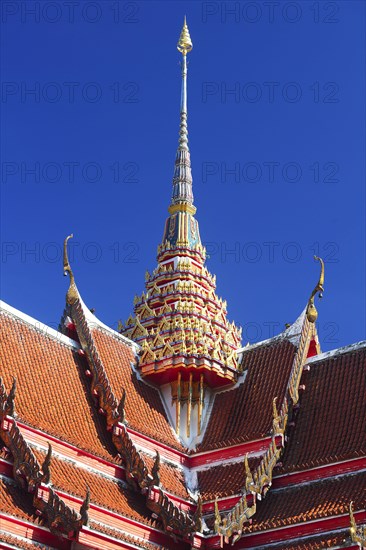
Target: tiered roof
x,y
183,474
93,449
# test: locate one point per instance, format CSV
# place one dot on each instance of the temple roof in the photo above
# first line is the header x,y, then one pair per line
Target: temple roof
x,y
47,364
240,415
309,502
172,435
245,412
334,405
144,408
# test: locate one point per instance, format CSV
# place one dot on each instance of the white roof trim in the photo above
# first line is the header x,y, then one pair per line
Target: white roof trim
x,y
335,352
94,322
40,327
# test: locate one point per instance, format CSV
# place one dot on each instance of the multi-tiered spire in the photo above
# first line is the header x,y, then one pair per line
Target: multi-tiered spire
x,y
188,345
181,227
182,198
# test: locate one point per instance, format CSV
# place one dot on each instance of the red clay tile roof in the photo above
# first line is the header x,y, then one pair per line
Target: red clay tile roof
x,y
338,540
15,502
105,492
223,481
132,540
171,477
245,413
52,390
309,501
15,542
334,406
144,408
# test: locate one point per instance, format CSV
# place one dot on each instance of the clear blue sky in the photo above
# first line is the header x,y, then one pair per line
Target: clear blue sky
x,y
277,138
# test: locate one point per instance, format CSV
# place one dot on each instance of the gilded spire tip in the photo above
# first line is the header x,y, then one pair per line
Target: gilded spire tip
x,y
311,311
184,43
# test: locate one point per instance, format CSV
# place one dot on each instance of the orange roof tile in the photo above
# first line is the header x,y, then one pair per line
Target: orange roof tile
x,y
225,480
144,408
334,405
132,540
15,502
105,492
338,540
309,501
52,393
171,477
16,542
245,413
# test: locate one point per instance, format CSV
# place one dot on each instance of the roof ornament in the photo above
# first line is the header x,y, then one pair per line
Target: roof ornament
x,y
121,406
46,477
10,402
358,534
85,508
182,197
72,294
311,312
155,472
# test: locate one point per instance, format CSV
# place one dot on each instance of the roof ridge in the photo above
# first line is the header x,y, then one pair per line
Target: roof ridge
x,y
40,327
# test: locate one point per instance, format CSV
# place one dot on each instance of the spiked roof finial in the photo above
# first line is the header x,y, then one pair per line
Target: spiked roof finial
x,y
311,311
72,293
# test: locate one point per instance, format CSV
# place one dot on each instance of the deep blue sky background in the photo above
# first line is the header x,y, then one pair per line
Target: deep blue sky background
x,y
315,50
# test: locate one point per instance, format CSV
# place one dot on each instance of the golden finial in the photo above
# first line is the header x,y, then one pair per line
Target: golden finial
x,y
353,526
311,312
72,293
184,43
217,516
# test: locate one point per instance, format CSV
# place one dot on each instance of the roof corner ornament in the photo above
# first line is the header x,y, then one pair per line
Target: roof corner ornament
x,y
311,311
217,516
46,471
276,422
72,294
10,402
248,474
197,518
84,517
121,406
155,472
